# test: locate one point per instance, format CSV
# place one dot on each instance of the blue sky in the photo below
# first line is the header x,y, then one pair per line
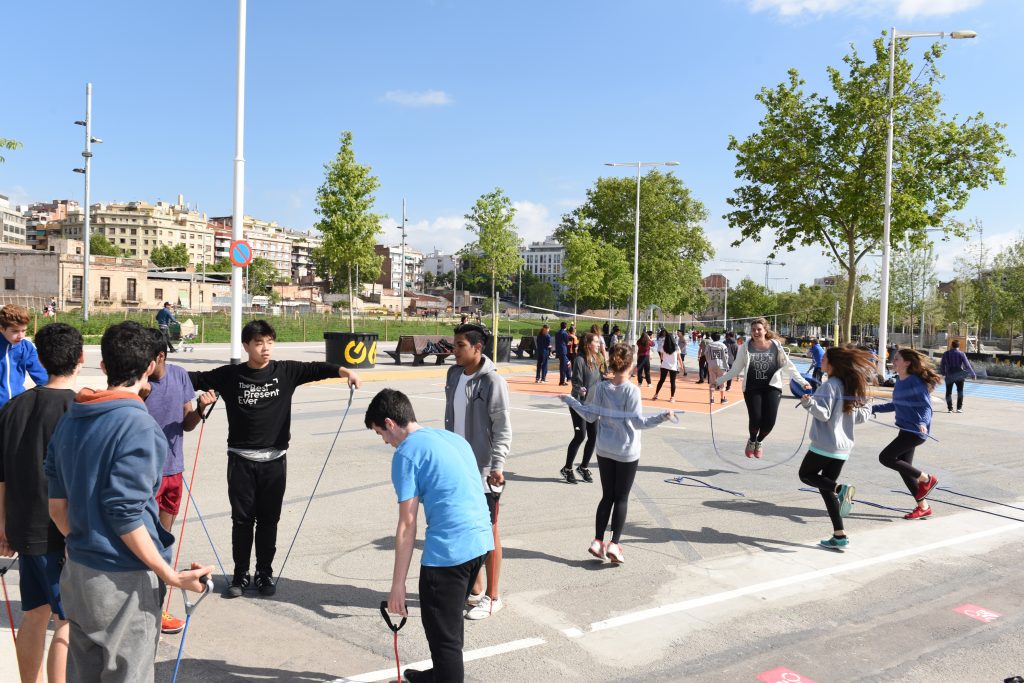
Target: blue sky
x,y
448,99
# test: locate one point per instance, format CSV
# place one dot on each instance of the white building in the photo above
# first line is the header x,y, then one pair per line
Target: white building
x,y
546,260
392,270
438,263
137,228
12,223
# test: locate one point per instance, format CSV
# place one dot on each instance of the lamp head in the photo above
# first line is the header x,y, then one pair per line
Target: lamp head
x,y
961,35
79,123
78,170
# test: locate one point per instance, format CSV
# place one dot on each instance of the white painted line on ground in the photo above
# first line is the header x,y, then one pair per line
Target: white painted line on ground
x,y
481,653
806,577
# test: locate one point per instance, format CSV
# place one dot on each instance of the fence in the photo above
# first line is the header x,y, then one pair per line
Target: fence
x,y
216,327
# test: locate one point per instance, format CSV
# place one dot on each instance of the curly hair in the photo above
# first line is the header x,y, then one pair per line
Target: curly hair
x,y
13,315
768,333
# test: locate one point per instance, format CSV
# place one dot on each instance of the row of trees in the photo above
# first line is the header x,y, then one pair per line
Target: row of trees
x,y
813,174
598,237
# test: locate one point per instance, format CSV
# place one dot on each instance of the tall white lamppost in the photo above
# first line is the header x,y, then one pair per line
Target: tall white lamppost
x,y
725,306
634,315
883,325
86,170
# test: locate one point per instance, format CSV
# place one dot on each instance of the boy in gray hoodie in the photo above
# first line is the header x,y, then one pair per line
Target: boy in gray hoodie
x,y
477,409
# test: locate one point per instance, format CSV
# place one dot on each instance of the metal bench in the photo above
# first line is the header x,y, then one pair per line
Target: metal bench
x,y
416,346
527,345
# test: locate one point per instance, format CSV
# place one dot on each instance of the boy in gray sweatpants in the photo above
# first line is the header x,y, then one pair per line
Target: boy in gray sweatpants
x,y
103,466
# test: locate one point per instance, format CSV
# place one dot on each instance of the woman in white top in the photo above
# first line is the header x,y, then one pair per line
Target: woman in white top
x,y
670,363
766,368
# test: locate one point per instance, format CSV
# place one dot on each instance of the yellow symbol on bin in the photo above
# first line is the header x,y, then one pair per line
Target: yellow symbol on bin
x,y
356,352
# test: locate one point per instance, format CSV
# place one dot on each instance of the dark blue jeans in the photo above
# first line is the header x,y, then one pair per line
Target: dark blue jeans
x,y
542,366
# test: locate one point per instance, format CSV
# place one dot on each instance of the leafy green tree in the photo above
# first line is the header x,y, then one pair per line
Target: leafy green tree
x,y
1010,266
540,294
348,225
672,242
165,256
750,300
428,279
814,172
99,245
595,271
8,144
262,274
496,248
912,276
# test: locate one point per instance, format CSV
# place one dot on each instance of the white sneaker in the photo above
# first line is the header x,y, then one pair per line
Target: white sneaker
x,y
485,608
474,598
614,553
597,549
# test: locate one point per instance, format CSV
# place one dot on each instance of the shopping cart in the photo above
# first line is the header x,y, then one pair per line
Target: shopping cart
x,y
184,334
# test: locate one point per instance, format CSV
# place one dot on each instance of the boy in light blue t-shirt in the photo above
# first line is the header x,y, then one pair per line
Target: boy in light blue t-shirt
x,y
438,468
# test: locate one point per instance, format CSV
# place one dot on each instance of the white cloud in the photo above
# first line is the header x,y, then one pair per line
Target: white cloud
x,y
904,9
423,98
534,221
445,233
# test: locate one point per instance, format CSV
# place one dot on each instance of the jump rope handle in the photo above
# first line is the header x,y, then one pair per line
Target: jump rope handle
x,y
209,409
387,617
191,606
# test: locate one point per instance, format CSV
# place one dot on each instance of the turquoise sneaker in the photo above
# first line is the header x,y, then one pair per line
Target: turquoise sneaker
x,y
835,543
845,495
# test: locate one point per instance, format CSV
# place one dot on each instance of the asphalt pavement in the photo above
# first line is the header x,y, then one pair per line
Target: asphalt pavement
x,y
723,579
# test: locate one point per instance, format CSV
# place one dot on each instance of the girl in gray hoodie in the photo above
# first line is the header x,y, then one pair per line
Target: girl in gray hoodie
x,y
615,406
836,407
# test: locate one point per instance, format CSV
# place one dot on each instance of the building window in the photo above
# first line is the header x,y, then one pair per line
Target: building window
x,y
76,286
9,283
104,287
131,289
158,294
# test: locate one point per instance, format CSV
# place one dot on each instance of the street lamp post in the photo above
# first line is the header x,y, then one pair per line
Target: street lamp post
x,y
883,326
402,298
86,226
634,315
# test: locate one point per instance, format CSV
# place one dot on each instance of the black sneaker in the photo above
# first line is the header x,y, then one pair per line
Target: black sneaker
x,y
416,676
265,584
238,585
567,473
585,473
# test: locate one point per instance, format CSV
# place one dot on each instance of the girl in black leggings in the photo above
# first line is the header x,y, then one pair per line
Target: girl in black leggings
x,y
615,405
587,370
911,401
836,406
766,368
670,362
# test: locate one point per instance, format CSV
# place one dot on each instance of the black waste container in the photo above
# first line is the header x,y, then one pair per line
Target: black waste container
x,y
351,349
504,348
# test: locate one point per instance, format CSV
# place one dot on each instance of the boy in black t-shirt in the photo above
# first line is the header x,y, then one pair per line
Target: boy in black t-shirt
x,y
26,425
258,399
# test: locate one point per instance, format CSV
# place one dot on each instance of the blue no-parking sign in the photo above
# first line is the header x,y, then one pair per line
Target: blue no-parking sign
x,y
241,253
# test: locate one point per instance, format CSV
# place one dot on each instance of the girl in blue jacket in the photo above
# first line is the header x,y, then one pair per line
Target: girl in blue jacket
x,y
912,403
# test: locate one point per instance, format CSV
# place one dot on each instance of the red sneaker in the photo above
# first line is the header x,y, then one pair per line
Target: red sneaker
x,y
923,489
171,624
918,513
